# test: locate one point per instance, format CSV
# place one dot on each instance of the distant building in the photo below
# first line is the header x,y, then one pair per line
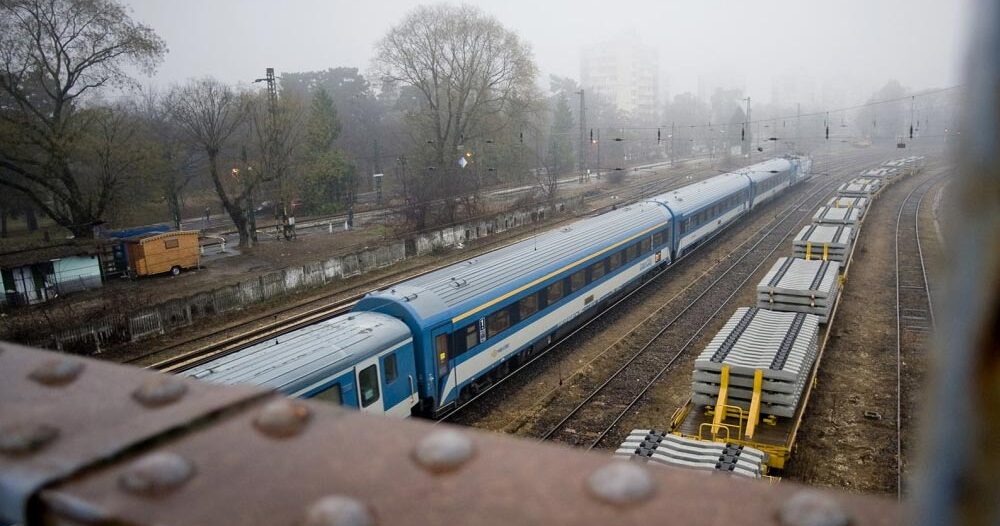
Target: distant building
x,y
624,71
709,83
38,275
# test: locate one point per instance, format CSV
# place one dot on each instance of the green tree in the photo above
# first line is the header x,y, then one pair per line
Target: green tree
x,y
328,179
52,53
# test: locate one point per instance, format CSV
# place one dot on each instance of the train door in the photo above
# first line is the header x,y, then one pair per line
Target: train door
x,y
399,391
369,386
447,374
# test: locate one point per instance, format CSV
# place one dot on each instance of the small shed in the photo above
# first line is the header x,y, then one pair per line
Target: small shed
x,y
37,275
166,252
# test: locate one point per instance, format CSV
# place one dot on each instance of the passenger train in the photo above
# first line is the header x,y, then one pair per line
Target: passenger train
x,y
425,345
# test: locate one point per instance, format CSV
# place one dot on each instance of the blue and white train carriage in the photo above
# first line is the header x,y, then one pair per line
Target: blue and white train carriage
x,y
428,343
363,360
474,320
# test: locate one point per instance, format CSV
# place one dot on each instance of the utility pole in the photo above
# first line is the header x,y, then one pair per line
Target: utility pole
x,y
583,131
672,133
288,221
798,124
748,136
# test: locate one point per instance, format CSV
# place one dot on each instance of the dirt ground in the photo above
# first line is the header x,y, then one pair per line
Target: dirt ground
x,y
838,446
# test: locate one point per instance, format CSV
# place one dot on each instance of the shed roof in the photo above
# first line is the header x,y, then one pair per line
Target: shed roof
x,y
31,255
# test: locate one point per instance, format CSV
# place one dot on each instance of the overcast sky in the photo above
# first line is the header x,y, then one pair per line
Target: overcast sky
x,y
858,43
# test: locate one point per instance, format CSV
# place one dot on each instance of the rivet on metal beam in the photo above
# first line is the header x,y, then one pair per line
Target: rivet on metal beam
x,y
159,391
21,439
73,508
621,483
443,451
812,508
156,474
337,510
282,418
57,372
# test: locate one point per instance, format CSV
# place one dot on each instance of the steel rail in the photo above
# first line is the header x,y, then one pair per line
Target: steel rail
x,y
774,226
924,187
557,343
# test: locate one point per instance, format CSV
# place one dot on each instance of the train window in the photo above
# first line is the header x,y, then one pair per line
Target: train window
x,y
390,372
646,245
497,322
633,252
471,335
368,383
441,348
331,394
528,306
597,271
554,292
615,260
658,238
577,280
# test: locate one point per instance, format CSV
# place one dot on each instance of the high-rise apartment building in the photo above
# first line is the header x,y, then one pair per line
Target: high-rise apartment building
x,y
624,71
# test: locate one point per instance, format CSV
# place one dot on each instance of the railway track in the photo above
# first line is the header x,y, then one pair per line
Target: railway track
x,y
594,417
630,340
914,315
257,330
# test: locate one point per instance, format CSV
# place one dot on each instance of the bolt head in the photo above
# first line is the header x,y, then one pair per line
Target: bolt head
x,y
57,372
443,451
159,391
156,474
812,508
283,418
338,510
22,439
621,483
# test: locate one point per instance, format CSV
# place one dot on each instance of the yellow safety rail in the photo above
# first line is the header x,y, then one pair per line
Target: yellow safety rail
x,y
809,250
826,251
720,406
758,382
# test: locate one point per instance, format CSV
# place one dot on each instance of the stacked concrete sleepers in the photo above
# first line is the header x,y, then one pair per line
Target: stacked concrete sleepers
x,y
783,345
886,174
844,215
861,203
860,187
797,285
658,447
834,242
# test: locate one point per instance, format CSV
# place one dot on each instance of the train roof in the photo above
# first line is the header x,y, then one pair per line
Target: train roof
x,y
767,169
297,359
693,197
461,289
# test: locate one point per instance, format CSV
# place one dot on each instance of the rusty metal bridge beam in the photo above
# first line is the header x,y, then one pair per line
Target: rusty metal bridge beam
x,y
87,442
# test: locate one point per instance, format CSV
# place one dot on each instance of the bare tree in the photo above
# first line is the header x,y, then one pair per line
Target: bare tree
x,y
469,71
179,162
276,136
52,53
210,113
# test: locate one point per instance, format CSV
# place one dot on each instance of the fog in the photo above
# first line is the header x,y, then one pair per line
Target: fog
x,y
850,47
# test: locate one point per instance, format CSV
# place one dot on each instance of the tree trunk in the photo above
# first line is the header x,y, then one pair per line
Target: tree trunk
x,y
30,218
174,208
235,211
